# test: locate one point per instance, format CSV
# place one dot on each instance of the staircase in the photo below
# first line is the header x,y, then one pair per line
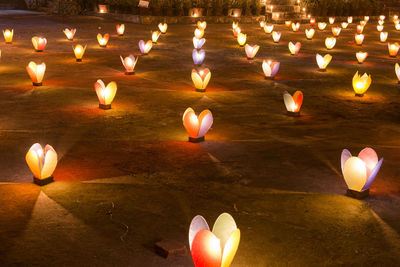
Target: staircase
x,y
12,4
284,10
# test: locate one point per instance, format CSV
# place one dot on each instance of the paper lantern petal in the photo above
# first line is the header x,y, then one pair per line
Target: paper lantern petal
x,y
191,122
370,158
345,156
206,121
33,161
355,173
230,248
198,223
223,227
374,172
288,99
206,250
50,162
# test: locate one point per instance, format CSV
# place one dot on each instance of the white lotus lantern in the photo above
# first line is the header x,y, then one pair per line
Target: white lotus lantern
x,y
145,47
201,79
198,43
251,51
310,33
276,36
268,28
359,38
393,49
69,33
323,61
383,36
381,22
154,36
350,20
105,94
129,64
270,68
344,25
321,26
163,27
331,20
295,26
379,28
198,33
294,48
197,126
198,56
361,56
293,103
330,42
36,72
336,31
42,163
397,27
382,17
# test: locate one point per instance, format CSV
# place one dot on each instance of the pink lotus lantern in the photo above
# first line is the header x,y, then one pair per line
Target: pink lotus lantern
x,y
145,47
42,163
359,172
268,28
69,33
251,51
379,28
393,49
294,48
336,31
330,42
350,20
198,43
105,93
359,38
276,36
360,29
129,63
295,26
321,26
383,36
36,72
120,29
293,103
312,22
198,56
270,69
200,79
361,56
331,20
197,126
103,39
310,33
397,70
345,25
39,43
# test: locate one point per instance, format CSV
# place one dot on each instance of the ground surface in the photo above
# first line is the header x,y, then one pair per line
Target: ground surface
x,y
278,176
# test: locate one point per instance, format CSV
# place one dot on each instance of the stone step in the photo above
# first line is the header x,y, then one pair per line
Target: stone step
x,y
285,8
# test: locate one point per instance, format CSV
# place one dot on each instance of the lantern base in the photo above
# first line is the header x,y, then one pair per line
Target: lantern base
x,y
43,182
359,95
79,60
360,63
198,65
200,90
293,114
8,42
36,84
120,34
392,56
356,194
163,32
39,51
294,55
103,46
129,72
105,107
144,54
196,140
250,58
269,77
322,70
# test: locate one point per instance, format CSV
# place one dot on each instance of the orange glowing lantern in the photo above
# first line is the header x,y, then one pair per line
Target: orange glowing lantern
x,y
241,39
103,9
120,29
294,48
262,23
235,24
393,49
321,26
70,33
312,21
276,36
39,43
361,83
103,39
331,20
359,38
330,42
323,61
361,56
310,33
163,27
202,25
251,51
200,79
288,23
236,31
383,36
366,19
336,31
79,51
381,22
363,23
379,28
197,126
395,17
360,29
129,63
105,93
198,33
293,103
295,26
345,25
36,72
268,28
350,20
42,163
8,35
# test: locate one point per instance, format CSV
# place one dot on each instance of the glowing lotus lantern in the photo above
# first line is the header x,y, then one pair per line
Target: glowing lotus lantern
x,y
393,49
382,17
202,25
359,172
361,83
295,26
349,20
395,17
42,163
310,33
105,93
331,20
8,35
312,22
383,36
129,64
268,28
120,29
396,22
198,43
79,51
397,26
294,48
270,68
198,33
330,42
321,26
215,248
251,51
39,43
336,31
360,29
163,27
145,47
197,126
241,39
323,61
200,79
154,36
36,72
359,38
363,23
361,56
70,33
103,39
262,23
103,9
366,19
293,103
236,31
288,23
198,56
381,22
397,70
276,36
379,28
235,25
345,25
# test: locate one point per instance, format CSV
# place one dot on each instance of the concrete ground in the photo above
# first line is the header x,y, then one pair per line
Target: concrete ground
x,y
127,177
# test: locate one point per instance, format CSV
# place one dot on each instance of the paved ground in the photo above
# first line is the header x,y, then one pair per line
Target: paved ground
x,y
278,176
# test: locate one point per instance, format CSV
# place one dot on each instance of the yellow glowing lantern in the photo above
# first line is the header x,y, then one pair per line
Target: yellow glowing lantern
x,y
120,29
103,9
379,28
330,42
361,83
8,35
202,25
79,50
39,43
276,36
293,103
235,24
363,23
294,48
251,51
336,31
163,27
270,69
383,36
397,70
268,28
382,17
105,93
395,17
310,33
42,163
215,248
323,61
262,23
366,19
345,25
103,39
241,39
359,38
197,126
154,36
381,22
69,33
393,49
200,79
331,20
145,47
360,29
361,56
397,26
295,26
198,33
350,20
288,23
236,31
129,64
36,72
321,26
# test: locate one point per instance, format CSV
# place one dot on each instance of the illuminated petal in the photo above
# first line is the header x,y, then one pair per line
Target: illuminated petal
x,y
345,156
50,162
224,227
298,100
198,223
288,100
206,250
370,158
373,174
206,121
198,56
191,123
355,173
230,248
34,159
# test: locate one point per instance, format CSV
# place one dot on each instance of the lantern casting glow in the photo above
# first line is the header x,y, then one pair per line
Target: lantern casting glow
x,y
294,48
345,25
36,72
270,68
129,64
380,22
295,26
154,36
288,23
251,51
145,47
198,43
268,28
312,21
241,39
310,33
336,31
262,23
79,51
200,79
293,103
70,33
163,27
397,26
42,163
331,20
215,248
235,25
276,36
379,28
393,49
39,43
103,39
198,56
360,29
323,61
202,25
349,20
105,93
8,35
359,38
361,56
197,126
236,32
397,70
321,26
198,33
361,83
330,42
359,172
120,29
383,36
